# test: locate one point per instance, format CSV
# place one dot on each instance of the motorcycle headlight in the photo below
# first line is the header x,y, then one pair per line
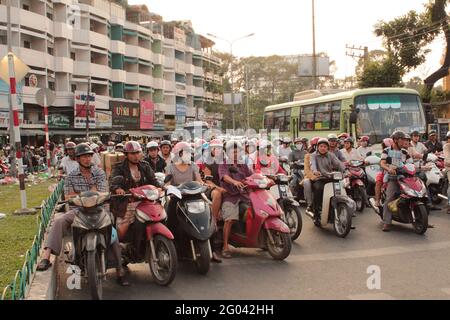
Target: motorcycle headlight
x,y
196,207
151,195
283,178
142,216
338,176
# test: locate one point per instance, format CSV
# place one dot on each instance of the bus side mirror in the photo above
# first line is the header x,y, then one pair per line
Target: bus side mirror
x,y
354,116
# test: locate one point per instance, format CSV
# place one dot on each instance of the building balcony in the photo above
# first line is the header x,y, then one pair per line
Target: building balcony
x,y
144,53
118,75
169,62
158,83
158,58
63,65
99,40
100,71
102,102
62,30
190,90
169,86
218,97
133,78
118,47
145,80
198,71
189,68
180,66
199,91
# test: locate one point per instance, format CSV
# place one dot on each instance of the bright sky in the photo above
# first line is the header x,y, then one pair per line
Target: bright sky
x,y
284,27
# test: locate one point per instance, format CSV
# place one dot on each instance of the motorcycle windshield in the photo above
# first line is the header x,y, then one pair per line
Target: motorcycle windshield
x,y
194,221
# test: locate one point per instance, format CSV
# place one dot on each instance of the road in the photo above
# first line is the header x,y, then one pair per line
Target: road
x,y
321,266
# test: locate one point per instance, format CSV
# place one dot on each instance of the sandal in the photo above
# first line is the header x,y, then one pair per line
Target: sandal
x,y
43,265
123,281
215,258
226,254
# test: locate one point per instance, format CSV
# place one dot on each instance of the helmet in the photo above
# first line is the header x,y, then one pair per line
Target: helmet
x,y
323,141
415,133
111,144
398,135
132,147
298,140
32,148
364,139
314,141
233,144
119,145
94,146
82,149
174,139
332,136
407,137
216,143
388,142
152,145
199,143
264,144
304,140
165,143
448,135
349,139
70,145
343,136
287,140
41,147
181,146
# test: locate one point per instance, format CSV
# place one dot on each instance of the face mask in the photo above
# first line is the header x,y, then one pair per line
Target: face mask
x,y
186,158
299,147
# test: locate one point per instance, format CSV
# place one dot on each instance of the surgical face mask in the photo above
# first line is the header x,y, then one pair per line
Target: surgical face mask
x,y
299,147
186,157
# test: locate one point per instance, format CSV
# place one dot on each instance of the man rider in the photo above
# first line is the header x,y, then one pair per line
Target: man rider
x,y
349,152
364,148
416,144
156,162
166,151
86,177
135,173
433,144
391,159
447,167
324,164
69,163
285,149
297,157
333,141
231,174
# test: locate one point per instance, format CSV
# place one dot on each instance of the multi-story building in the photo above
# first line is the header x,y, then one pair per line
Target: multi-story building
x,y
127,53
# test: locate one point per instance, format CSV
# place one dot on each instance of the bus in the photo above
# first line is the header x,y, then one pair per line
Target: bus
x,y
376,112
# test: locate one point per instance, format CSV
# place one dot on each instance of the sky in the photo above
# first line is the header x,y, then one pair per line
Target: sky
x,y
284,27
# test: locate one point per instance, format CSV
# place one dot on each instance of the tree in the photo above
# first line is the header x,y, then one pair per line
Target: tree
x,y
406,38
385,73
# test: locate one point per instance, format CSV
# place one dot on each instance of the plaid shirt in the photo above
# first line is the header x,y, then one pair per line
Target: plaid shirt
x,y
76,182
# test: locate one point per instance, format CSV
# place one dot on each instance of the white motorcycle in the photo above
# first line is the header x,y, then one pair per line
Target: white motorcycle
x,y
372,169
434,178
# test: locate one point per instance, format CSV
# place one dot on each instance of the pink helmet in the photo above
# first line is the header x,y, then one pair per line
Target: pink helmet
x,y
216,143
199,143
343,135
388,142
314,141
364,139
132,146
181,146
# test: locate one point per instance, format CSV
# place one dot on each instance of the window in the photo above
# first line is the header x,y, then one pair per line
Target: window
x,y
50,51
27,44
321,117
51,85
268,120
73,56
50,15
26,7
278,120
74,87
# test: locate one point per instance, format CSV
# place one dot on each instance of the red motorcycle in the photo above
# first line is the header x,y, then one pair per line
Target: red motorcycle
x,y
355,183
4,169
159,249
260,225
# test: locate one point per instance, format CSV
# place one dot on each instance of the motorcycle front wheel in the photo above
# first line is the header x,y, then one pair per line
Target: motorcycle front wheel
x,y
360,198
343,221
94,273
163,266
421,223
203,259
294,221
281,246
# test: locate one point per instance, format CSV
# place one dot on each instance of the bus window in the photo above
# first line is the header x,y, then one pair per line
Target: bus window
x,y
268,120
287,120
307,119
336,115
322,119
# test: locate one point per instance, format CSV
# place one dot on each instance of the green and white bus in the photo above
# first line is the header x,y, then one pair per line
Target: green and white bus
x,y
379,112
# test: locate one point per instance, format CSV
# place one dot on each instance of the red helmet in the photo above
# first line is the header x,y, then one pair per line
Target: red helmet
x,y
388,142
314,141
132,146
181,146
343,136
216,143
364,139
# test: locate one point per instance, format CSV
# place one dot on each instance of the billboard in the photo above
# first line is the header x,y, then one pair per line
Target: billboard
x,y
305,68
80,109
57,120
4,103
104,119
180,116
125,115
159,120
147,114
227,98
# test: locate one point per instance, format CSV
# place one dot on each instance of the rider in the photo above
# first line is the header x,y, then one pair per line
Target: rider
x,y
297,157
310,176
387,143
166,151
284,149
433,144
231,175
156,162
323,164
392,158
85,177
416,144
119,147
334,148
447,167
266,162
69,163
135,173
349,152
364,148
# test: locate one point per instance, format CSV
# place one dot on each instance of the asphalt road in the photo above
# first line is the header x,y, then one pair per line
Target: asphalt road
x,y
320,266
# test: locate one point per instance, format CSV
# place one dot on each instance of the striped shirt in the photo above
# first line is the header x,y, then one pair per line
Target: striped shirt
x,y
76,183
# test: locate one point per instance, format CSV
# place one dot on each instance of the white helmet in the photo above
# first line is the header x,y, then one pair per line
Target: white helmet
x,y
152,144
94,146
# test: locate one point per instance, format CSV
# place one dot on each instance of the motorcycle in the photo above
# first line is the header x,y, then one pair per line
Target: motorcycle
x,y
91,232
372,169
159,249
297,169
355,184
194,224
337,208
291,208
409,207
261,223
434,178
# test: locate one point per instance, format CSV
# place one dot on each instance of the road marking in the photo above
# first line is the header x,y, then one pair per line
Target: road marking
x,y
371,296
355,254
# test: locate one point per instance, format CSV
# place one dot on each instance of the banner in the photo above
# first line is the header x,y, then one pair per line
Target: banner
x,y
80,110
159,120
147,110
104,119
180,116
4,103
125,115
170,124
56,120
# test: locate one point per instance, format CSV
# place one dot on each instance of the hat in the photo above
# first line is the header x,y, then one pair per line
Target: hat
x,y
432,132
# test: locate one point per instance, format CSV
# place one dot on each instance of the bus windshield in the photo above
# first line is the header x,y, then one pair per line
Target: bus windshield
x,y
382,114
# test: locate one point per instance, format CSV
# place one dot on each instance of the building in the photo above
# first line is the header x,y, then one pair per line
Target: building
x,y
128,54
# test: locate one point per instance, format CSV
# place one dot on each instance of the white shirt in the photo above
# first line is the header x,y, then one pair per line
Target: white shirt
x,y
284,152
419,147
352,155
68,164
96,161
364,151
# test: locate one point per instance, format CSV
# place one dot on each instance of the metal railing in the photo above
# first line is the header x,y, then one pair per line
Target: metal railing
x,y
17,289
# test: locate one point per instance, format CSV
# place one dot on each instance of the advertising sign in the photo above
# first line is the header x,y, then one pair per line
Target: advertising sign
x,y
159,120
4,103
180,116
80,109
56,120
104,119
147,112
125,114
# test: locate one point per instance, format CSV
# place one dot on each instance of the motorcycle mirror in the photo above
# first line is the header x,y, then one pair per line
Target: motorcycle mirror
x,y
171,190
168,178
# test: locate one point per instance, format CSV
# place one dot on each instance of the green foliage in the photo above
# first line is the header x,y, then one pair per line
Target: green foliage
x,y
385,73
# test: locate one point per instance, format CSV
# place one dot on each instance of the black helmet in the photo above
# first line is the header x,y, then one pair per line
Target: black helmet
x,y
166,143
349,139
398,135
82,149
323,141
415,133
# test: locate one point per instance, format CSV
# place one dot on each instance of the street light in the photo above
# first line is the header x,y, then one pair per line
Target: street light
x,y
231,67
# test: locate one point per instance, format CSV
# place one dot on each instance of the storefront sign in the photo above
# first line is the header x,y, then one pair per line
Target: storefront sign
x,y
104,119
180,116
147,111
125,115
80,109
159,120
56,120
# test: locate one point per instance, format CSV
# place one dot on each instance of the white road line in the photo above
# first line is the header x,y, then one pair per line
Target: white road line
x,y
371,296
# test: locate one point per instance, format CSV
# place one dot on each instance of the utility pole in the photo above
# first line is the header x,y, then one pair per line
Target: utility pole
x,y
88,109
314,67
247,98
11,124
352,53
